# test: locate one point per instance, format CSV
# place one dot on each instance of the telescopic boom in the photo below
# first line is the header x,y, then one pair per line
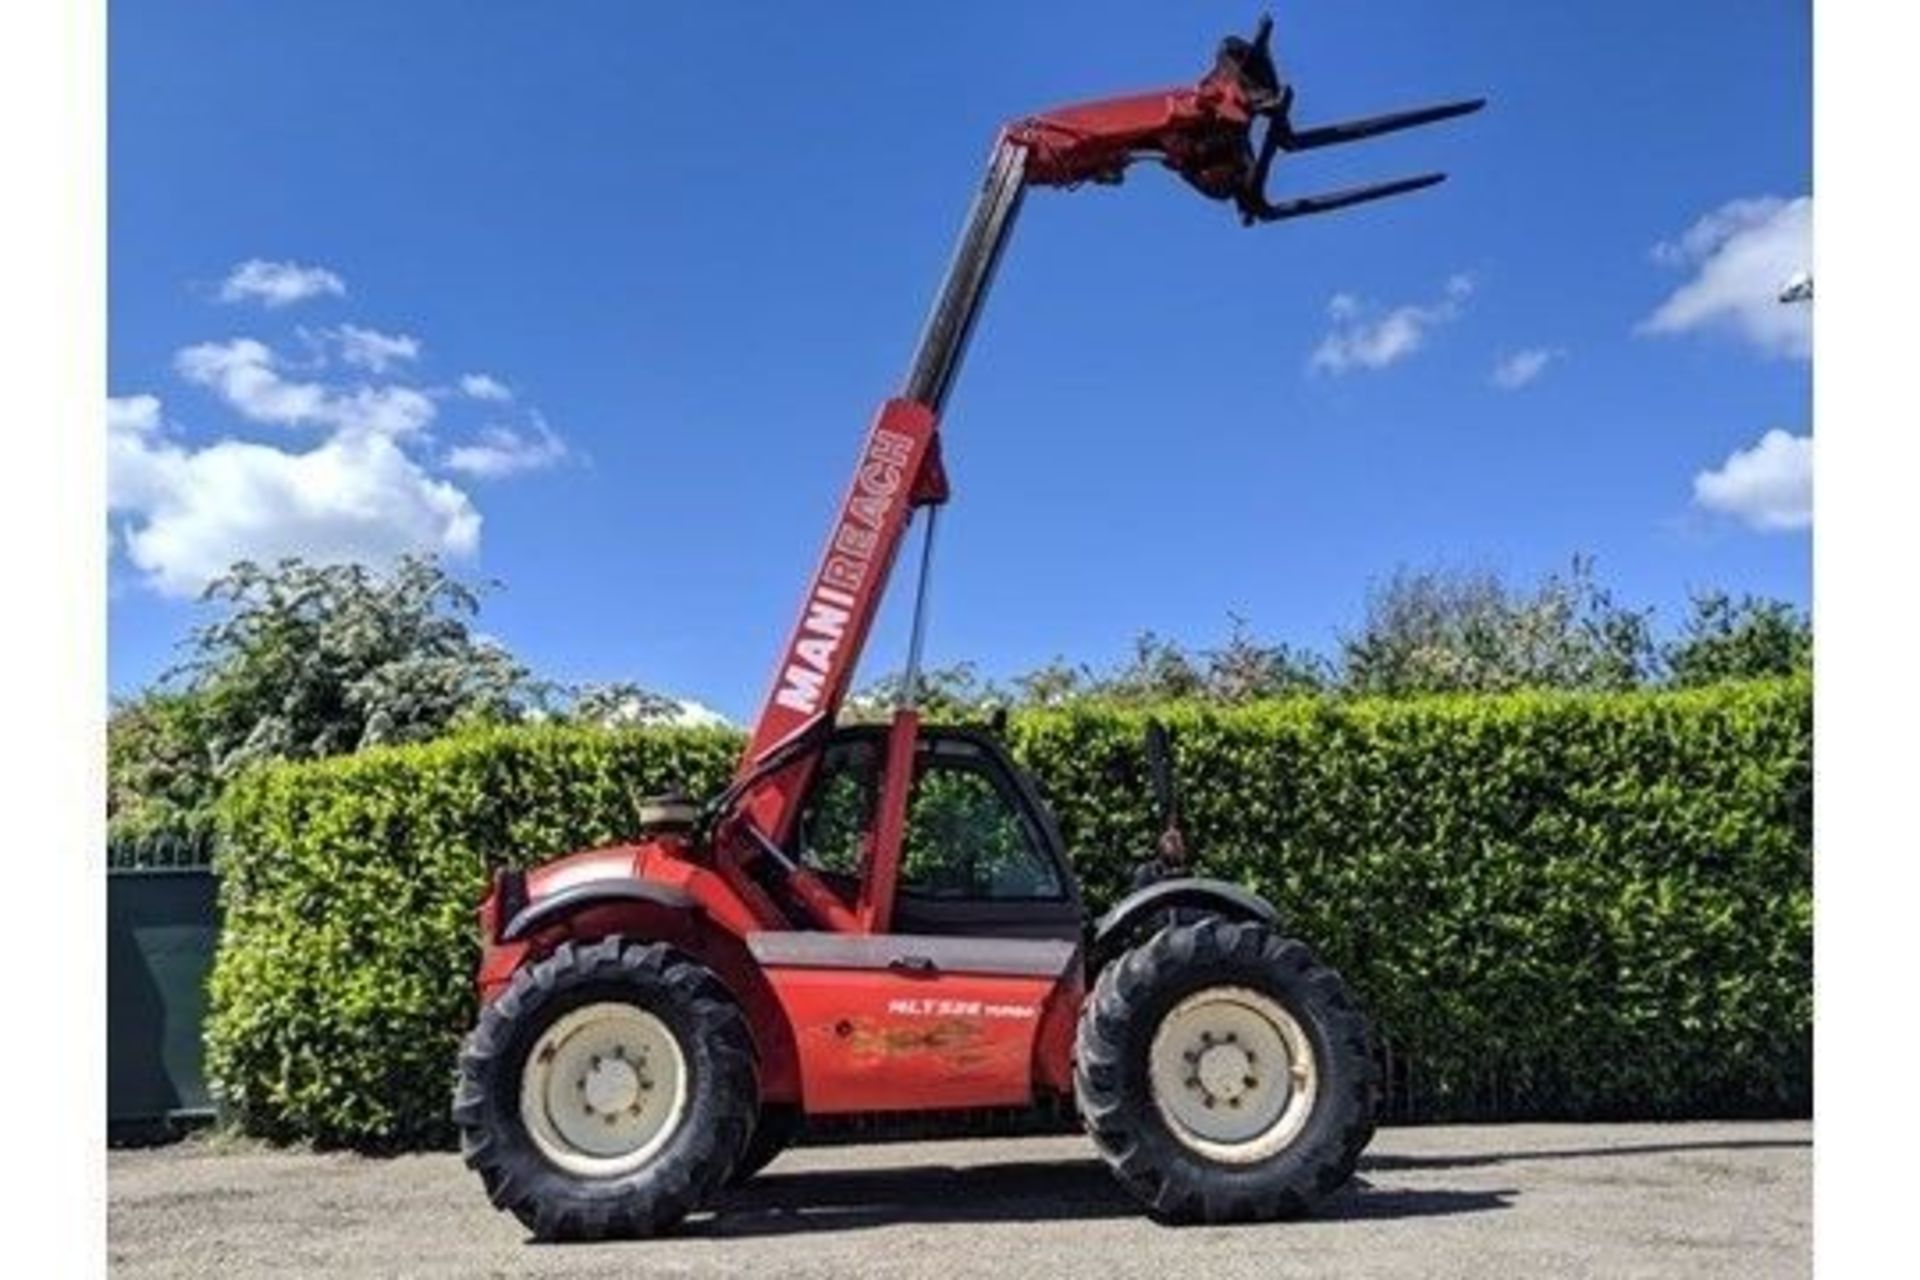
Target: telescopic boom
x,y
1206,134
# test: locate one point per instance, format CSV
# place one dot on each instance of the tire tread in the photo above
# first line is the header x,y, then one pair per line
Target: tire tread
x,y
552,1204
1118,1113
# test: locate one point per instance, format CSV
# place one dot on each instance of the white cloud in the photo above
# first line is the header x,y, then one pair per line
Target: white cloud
x,y
376,485
1364,337
1769,486
133,415
1741,253
1698,242
372,349
245,373
391,411
133,426
1511,372
503,451
480,386
191,512
279,284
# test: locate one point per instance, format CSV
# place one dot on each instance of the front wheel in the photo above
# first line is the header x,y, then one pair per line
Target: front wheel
x,y
1224,1073
607,1092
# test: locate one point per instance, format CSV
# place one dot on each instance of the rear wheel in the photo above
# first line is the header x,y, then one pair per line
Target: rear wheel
x,y
1224,1073
607,1092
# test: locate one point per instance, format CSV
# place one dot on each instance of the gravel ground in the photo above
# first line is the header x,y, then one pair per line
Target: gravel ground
x,y
1693,1200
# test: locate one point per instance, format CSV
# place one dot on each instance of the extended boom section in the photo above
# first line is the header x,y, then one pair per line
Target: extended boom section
x,y
1206,134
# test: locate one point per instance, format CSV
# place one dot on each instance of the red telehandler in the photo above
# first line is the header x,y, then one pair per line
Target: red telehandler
x,y
881,918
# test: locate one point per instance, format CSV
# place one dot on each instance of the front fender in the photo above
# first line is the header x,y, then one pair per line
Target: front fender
x,y
1195,894
593,896
576,897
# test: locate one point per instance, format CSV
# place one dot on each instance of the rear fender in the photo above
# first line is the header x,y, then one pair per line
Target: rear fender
x,y
1148,908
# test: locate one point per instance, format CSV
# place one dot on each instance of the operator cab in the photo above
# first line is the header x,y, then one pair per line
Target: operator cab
x,y
981,856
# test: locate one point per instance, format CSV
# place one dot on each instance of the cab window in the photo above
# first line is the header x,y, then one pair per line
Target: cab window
x,y
839,809
968,838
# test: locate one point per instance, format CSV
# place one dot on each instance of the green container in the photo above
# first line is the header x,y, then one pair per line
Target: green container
x,y
162,925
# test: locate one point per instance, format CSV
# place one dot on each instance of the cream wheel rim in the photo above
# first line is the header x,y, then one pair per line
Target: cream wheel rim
x,y
604,1089
1233,1074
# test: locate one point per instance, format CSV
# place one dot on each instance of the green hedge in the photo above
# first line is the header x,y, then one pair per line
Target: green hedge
x,y
1554,905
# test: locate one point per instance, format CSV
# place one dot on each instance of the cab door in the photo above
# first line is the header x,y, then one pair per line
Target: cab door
x,y
898,1022
951,1007
980,856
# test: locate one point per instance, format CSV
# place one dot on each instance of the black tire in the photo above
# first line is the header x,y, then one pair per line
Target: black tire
x,y
698,1157
1113,1080
778,1126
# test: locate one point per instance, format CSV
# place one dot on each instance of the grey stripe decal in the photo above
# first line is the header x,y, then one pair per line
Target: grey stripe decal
x,y
910,953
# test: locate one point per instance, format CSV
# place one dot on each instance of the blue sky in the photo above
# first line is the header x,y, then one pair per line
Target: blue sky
x,y
691,247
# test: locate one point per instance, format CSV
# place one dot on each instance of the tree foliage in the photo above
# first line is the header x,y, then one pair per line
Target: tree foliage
x,y
305,661
1744,639
161,770
608,704
308,661
1158,670
315,660
1449,631
1431,630
950,694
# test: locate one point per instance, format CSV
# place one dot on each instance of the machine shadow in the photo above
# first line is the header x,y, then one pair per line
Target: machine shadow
x,y
1053,1191
1481,1160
